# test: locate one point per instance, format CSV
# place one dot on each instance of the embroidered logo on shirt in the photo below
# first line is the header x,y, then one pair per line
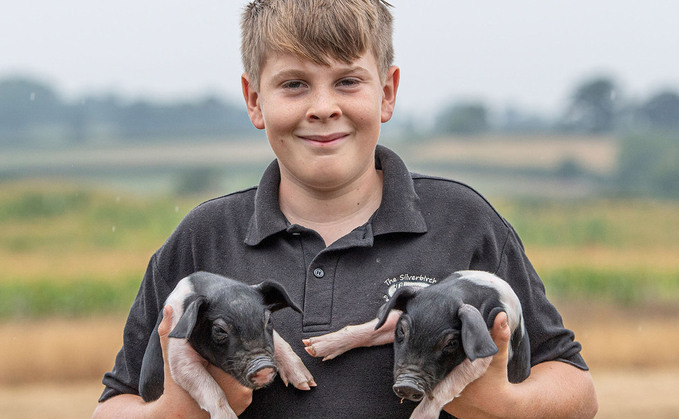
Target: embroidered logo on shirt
x,y
406,280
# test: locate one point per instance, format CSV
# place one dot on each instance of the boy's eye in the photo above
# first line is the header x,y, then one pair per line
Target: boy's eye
x,y
348,82
293,84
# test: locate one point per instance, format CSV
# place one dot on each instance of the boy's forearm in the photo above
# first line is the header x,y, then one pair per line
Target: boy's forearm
x,y
134,407
554,389
176,404
125,406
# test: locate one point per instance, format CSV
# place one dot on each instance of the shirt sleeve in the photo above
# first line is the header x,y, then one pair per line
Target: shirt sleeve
x,y
124,377
549,339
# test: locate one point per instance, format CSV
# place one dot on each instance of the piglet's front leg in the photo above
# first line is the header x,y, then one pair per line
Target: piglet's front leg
x,y
334,344
290,367
451,387
187,369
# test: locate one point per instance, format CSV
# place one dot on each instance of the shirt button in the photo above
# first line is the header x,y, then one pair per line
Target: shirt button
x,y
319,273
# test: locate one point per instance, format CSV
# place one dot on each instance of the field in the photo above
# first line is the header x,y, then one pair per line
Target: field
x,y
72,256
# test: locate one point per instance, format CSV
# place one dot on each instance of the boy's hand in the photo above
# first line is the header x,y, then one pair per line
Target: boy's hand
x,y
490,394
175,400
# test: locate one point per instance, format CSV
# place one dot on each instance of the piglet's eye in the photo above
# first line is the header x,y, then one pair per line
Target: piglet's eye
x,y
219,334
451,344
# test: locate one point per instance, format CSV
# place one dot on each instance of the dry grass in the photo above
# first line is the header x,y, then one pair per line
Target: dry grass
x,y
102,265
615,337
64,400
58,349
598,155
648,394
599,257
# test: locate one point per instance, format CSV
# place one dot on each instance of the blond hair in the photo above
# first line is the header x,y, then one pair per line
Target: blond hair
x,y
316,30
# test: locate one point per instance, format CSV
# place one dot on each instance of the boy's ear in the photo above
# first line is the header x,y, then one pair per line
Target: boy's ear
x,y
389,92
252,102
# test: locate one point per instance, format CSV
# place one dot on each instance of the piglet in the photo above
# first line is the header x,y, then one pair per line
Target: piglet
x,y
442,340
227,323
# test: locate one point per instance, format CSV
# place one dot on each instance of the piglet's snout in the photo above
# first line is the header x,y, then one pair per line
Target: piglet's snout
x,y
261,371
408,387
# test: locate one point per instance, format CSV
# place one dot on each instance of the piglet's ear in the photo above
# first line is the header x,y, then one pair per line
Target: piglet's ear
x,y
476,340
187,321
275,296
397,301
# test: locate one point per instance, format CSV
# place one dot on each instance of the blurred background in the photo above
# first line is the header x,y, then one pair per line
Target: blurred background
x,y
117,118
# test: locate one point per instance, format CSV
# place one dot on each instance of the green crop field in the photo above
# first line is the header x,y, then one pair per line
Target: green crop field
x,y
624,251
70,250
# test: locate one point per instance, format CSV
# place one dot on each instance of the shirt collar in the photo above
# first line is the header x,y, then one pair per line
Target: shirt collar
x,y
399,211
267,218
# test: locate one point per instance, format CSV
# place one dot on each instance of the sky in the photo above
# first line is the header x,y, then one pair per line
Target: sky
x,y
522,53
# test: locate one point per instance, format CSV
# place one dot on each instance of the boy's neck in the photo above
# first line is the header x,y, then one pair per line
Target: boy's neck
x,y
332,214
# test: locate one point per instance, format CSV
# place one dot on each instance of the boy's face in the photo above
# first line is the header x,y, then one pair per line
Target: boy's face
x,y
322,122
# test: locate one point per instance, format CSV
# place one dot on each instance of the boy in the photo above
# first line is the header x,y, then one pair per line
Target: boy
x,y
341,223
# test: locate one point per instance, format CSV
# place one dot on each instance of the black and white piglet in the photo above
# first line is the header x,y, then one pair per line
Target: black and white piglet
x,y
442,340
228,323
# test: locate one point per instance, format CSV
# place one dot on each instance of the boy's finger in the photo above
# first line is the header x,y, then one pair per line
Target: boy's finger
x,y
164,327
500,334
163,331
500,331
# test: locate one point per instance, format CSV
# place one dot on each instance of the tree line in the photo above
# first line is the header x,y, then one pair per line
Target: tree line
x,y
595,106
647,130
33,112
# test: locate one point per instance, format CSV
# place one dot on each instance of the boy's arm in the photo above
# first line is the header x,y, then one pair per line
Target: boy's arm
x,y
175,401
554,389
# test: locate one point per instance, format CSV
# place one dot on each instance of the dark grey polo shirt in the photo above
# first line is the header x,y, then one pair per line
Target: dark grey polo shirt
x,y
425,229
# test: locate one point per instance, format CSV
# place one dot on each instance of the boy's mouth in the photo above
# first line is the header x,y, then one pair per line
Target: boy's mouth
x,y
324,139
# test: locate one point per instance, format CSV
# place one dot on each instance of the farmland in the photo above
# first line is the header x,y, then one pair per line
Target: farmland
x,y
77,230
73,251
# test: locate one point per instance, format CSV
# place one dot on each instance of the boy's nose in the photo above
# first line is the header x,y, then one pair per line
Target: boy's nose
x,y
323,106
